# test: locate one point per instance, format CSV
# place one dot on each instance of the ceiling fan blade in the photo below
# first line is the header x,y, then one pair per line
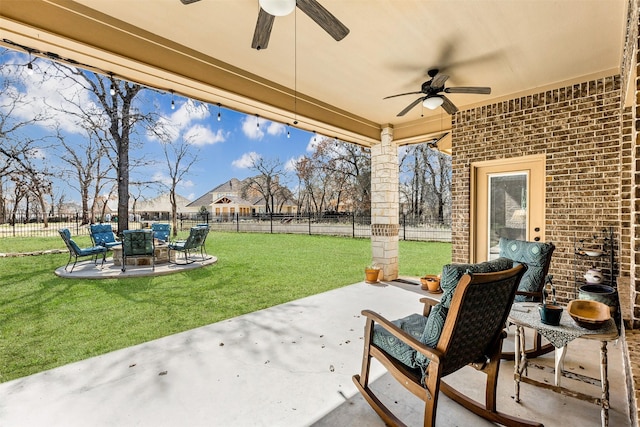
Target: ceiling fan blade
x,y
263,30
448,106
324,18
410,106
402,94
188,1
439,80
462,89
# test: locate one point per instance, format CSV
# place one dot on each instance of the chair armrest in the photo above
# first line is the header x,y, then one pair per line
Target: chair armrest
x,y
428,303
530,294
431,353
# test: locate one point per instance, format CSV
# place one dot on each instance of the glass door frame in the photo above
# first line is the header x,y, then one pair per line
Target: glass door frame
x,y
535,167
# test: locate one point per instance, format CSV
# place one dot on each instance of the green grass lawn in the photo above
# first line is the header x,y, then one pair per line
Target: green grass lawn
x,y
47,321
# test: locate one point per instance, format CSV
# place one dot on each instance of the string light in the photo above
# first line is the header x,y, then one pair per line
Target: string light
x,y
314,136
288,133
112,90
258,121
173,103
219,115
30,66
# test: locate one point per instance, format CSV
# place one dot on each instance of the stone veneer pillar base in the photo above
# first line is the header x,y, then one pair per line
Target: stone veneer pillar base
x,y
385,204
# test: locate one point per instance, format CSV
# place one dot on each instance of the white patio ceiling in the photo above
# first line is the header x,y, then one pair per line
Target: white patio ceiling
x,y
203,50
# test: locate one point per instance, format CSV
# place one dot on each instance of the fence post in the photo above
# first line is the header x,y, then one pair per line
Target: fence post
x,y
77,227
404,226
353,224
309,223
271,222
237,222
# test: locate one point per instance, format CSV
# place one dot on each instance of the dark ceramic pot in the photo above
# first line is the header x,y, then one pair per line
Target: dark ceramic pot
x,y
601,293
550,314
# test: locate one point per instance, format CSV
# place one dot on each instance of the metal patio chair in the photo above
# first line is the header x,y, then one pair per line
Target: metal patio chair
x,y
137,243
103,235
195,242
78,252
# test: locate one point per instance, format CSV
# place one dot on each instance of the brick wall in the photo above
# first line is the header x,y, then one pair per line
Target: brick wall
x,y
578,129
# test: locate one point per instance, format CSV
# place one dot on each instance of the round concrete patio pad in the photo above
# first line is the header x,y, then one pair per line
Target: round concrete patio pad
x,y
89,270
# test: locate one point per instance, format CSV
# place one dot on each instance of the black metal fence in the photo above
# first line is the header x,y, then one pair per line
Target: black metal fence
x,y
333,224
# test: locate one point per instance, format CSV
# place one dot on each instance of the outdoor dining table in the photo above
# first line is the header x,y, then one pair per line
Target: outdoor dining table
x,y
526,315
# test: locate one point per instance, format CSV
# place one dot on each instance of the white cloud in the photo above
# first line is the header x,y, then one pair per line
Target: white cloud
x,y
313,143
162,178
250,127
246,161
276,129
46,93
200,135
290,165
181,122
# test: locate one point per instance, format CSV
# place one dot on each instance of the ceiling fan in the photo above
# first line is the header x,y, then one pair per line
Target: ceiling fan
x,y
433,98
269,9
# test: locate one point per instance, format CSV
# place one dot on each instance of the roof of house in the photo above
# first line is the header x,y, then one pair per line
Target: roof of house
x,y
161,203
233,185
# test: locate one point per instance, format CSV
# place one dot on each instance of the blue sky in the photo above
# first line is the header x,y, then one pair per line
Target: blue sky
x,y
224,147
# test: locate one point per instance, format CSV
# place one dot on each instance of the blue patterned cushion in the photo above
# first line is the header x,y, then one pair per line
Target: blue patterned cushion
x,y
535,256
432,331
451,274
414,324
428,329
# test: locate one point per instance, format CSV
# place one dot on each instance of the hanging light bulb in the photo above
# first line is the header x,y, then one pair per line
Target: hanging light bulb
x,y
30,66
258,121
314,136
278,7
219,115
288,133
173,103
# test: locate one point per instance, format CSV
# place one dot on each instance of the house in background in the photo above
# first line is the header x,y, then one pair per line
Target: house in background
x,y
159,208
237,197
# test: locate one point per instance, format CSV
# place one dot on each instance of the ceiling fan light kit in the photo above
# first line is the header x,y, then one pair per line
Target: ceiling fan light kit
x,y
433,102
433,94
278,7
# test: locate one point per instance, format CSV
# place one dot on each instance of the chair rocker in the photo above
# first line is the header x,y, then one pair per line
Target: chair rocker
x,y
537,257
472,334
195,241
78,252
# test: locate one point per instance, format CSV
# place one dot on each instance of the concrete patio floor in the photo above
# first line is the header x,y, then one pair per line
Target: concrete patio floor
x,y
289,365
88,269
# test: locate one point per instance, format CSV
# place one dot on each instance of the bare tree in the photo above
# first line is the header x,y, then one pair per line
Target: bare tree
x,y
87,164
114,119
267,183
426,186
16,148
180,155
336,177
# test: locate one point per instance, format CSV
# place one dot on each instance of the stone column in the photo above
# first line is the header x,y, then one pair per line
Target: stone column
x,y
385,204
